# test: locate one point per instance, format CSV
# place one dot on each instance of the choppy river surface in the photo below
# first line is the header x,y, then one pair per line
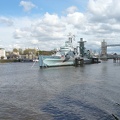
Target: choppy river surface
x,y
89,92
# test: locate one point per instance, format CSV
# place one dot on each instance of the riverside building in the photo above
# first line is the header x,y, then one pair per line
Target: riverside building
x,y
2,53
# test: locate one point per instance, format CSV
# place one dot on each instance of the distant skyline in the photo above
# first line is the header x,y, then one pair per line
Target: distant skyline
x,y
45,24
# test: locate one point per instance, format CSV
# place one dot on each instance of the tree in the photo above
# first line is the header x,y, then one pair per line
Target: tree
x,y
20,51
45,52
15,50
2,57
30,51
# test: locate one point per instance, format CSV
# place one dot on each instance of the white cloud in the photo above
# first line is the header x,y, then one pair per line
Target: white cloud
x,y
52,29
102,20
98,7
34,41
16,46
71,9
104,10
44,29
49,29
20,33
76,19
114,10
27,5
51,19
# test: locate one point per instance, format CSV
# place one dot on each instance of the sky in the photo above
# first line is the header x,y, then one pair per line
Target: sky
x,y
45,24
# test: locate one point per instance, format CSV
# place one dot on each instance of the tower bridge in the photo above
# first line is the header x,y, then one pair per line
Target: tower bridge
x,y
104,48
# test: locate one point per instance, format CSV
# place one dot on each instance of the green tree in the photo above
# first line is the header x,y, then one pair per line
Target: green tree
x,y
45,52
20,51
15,50
29,51
2,57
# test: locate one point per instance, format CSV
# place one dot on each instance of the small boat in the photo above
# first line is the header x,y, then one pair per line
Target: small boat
x,y
35,60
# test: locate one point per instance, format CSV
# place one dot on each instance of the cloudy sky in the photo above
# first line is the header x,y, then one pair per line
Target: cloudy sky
x,y
45,24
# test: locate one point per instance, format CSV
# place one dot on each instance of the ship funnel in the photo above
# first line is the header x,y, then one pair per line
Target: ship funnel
x,y
81,47
81,39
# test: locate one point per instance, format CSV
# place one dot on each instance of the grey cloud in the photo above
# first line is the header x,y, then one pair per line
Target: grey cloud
x,y
6,21
114,28
104,11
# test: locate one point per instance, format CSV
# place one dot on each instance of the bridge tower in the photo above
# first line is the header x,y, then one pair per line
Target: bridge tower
x,y
104,49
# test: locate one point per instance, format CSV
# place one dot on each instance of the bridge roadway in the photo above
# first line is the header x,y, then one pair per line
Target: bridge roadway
x,y
113,45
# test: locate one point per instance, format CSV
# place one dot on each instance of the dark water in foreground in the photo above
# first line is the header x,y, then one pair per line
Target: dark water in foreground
x,y
91,92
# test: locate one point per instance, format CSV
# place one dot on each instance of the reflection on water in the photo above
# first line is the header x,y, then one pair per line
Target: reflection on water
x,y
90,92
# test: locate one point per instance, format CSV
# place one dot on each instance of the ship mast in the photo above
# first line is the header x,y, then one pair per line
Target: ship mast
x,y
71,37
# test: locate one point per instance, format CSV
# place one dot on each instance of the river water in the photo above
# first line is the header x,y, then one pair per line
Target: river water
x,y
88,92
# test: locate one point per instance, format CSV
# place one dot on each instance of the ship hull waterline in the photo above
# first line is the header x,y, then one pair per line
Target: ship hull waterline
x,y
50,61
